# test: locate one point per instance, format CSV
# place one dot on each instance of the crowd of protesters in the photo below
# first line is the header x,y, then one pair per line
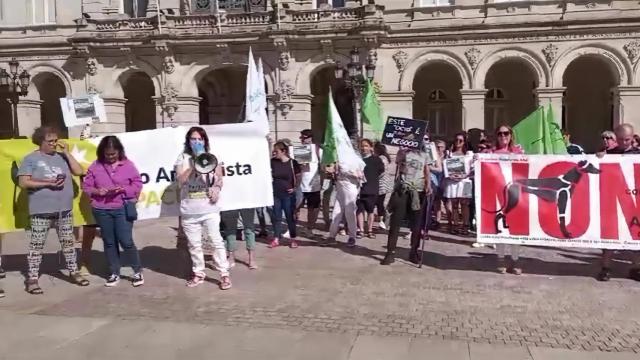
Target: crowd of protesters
x,y
416,189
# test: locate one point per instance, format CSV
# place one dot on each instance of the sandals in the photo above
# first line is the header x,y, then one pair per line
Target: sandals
x,y
33,287
79,279
196,280
225,284
358,234
370,235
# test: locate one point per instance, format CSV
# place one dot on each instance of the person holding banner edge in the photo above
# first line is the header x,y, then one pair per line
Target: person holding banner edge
x,y
46,175
199,194
113,181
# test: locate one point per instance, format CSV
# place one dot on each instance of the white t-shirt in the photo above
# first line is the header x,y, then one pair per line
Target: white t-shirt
x,y
194,194
310,180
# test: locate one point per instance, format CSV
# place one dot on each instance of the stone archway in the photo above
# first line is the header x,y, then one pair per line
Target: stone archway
x,y
140,106
510,97
322,80
50,88
437,98
589,101
222,93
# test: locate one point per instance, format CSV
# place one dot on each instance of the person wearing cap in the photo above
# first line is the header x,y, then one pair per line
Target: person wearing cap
x,y
311,182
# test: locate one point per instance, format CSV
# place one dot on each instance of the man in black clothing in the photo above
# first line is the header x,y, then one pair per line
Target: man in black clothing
x,y
624,136
572,149
368,197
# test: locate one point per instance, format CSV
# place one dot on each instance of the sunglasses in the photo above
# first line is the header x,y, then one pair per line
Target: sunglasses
x,y
607,138
503,133
459,140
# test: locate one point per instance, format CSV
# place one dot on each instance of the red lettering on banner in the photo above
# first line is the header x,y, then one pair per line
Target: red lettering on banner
x,y
615,190
579,199
493,186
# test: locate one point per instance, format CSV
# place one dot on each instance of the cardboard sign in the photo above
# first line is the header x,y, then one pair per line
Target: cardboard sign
x,y
403,132
303,154
83,110
457,165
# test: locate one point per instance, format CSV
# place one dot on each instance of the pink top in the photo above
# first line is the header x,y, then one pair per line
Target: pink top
x,y
125,174
515,149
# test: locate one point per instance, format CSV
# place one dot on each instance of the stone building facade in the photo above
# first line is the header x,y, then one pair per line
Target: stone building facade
x,y
458,63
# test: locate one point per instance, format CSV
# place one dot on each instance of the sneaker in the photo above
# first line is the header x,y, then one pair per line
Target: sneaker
x,y
286,235
195,281
351,242
389,259
138,280
407,236
342,232
477,245
358,234
225,284
327,242
293,244
634,274
3,274
112,281
604,275
274,244
516,271
502,266
84,270
382,225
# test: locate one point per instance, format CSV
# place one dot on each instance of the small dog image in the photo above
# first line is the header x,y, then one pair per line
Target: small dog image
x,y
558,189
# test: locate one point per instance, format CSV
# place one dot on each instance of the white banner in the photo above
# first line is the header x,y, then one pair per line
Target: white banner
x,y
559,200
240,149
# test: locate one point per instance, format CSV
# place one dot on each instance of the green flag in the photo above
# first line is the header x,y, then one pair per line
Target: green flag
x,y
329,147
371,111
529,132
554,142
539,133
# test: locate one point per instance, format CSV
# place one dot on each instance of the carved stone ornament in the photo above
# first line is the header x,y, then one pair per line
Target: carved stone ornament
x,y
168,65
590,5
284,91
550,53
169,92
283,61
285,109
92,89
225,52
92,66
473,57
633,50
400,57
372,57
327,50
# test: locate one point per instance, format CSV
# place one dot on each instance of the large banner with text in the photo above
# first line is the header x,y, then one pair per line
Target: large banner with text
x,y
242,152
559,200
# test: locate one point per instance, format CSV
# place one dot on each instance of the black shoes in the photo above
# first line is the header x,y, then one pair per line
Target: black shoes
x,y
3,274
604,275
415,258
634,274
389,259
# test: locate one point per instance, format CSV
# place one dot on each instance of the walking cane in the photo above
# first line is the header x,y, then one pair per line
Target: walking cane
x,y
427,223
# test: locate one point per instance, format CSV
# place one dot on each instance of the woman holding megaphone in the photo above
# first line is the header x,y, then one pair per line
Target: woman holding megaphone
x,y
200,180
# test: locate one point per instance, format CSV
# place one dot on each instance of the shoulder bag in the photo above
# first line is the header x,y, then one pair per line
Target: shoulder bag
x,y
130,210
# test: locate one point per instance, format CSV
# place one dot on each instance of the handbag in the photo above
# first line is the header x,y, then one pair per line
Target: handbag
x,y
130,210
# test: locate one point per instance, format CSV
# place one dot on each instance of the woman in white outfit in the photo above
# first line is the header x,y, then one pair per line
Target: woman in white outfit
x,y
347,187
457,190
199,195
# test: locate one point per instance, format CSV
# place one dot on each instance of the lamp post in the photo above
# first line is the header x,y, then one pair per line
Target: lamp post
x,y
14,84
354,77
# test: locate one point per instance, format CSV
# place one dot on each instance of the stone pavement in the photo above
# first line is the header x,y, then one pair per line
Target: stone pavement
x,y
336,299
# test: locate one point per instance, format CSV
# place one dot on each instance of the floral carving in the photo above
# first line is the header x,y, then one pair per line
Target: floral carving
x,y
284,91
633,50
400,57
473,57
550,53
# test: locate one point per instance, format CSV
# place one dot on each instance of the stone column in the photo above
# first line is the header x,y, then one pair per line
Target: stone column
x,y
553,96
629,106
114,107
187,114
473,108
292,116
28,116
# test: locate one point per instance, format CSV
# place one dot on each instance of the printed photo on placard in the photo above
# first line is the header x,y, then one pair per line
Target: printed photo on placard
x,y
303,154
457,165
432,154
83,110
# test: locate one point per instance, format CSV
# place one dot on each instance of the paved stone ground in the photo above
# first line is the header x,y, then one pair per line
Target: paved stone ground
x,y
457,295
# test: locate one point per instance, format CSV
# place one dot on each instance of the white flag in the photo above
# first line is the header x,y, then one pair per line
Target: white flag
x,y
256,97
337,144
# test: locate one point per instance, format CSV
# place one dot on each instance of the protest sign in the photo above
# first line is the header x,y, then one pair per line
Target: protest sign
x,y
303,154
408,133
83,110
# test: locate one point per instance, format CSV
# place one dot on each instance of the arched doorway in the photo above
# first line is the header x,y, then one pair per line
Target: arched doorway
x,y
50,89
140,108
589,101
222,93
321,81
437,98
510,85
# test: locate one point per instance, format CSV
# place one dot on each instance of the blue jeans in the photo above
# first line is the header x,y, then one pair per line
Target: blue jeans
x,y
286,203
117,231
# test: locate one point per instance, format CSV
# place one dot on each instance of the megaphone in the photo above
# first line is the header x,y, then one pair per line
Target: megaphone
x,y
206,163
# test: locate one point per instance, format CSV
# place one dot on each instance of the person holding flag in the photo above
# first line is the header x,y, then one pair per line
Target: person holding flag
x,y
342,159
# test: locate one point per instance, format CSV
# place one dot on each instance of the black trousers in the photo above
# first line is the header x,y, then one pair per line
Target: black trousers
x,y
401,209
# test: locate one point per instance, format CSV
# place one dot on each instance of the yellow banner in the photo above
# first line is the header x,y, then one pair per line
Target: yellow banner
x,y
14,207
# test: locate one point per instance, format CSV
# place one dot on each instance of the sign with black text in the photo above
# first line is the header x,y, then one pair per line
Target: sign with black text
x,y
404,132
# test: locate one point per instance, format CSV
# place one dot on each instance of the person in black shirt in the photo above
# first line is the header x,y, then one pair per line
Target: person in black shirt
x,y
572,149
286,176
624,137
374,167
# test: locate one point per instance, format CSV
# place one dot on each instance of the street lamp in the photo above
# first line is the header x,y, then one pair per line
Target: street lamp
x,y
14,84
356,79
